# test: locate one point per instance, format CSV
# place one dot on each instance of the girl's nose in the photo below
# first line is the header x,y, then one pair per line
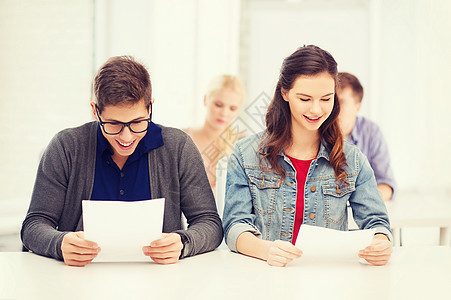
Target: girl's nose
x,y
223,112
316,107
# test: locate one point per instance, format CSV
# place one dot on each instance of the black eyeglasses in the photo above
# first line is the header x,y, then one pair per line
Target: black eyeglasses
x,y
113,128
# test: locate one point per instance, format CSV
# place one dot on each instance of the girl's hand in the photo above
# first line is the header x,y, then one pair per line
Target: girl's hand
x,y
282,252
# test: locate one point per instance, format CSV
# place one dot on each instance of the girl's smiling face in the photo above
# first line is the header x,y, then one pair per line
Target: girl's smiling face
x,y
311,100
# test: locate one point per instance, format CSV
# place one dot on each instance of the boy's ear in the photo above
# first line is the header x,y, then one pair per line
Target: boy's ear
x,y
358,106
93,107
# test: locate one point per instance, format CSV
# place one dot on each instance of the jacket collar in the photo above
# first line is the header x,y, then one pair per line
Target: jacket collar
x,y
322,153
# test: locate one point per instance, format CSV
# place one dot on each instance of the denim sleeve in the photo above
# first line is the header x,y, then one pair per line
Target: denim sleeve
x,y
368,208
238,213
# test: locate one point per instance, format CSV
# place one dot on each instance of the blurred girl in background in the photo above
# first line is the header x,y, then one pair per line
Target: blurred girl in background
x,y
224,97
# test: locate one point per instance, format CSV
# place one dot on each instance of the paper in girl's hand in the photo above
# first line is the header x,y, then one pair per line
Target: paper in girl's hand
x,y
319,243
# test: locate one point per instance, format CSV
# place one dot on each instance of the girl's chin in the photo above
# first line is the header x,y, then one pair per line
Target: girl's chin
x,y
219,126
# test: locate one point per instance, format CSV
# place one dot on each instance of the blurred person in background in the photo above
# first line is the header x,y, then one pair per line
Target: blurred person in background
x,y
364,133
215,139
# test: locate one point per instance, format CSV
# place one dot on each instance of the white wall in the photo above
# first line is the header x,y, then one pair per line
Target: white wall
x,y
46,58
399,49
183,44
49,50
277,29
415,64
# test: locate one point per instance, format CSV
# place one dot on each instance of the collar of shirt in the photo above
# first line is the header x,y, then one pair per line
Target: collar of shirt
x,y
152,140
321,153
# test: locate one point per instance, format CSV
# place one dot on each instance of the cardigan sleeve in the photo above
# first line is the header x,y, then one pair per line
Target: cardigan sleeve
x,y
64,178
197,203
40,228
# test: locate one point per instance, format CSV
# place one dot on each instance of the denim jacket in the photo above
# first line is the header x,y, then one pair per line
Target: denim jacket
x,y
264,204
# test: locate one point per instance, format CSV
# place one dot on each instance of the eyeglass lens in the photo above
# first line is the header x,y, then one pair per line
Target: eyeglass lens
x,y
136,127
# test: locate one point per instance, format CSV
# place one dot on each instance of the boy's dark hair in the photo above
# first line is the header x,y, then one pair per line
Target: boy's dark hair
x,y
122,80
348,80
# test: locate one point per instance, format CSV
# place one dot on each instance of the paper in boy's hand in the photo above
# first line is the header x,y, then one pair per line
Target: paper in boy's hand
x,y
321,243
122,228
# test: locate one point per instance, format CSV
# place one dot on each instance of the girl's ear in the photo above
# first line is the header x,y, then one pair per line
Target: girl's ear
x,y
284,94
205,100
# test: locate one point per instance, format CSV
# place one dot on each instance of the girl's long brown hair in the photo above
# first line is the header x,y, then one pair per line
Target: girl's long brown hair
x,y
308,60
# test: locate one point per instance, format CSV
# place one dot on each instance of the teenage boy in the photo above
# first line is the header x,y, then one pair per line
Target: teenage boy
x,y
122,156
364,133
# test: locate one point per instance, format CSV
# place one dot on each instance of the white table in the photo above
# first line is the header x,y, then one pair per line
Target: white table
x,y
418,209
421,209
412,273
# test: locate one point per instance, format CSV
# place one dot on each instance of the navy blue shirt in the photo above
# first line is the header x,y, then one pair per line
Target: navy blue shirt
x,y
132,182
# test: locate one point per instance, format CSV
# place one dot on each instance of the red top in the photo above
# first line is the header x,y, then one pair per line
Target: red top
x,y
301,167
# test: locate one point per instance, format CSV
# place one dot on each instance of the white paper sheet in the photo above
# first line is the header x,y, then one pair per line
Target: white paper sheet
x,y
122,228
323,244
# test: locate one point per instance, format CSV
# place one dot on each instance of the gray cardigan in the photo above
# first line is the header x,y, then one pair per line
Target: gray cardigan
x,y
65,177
